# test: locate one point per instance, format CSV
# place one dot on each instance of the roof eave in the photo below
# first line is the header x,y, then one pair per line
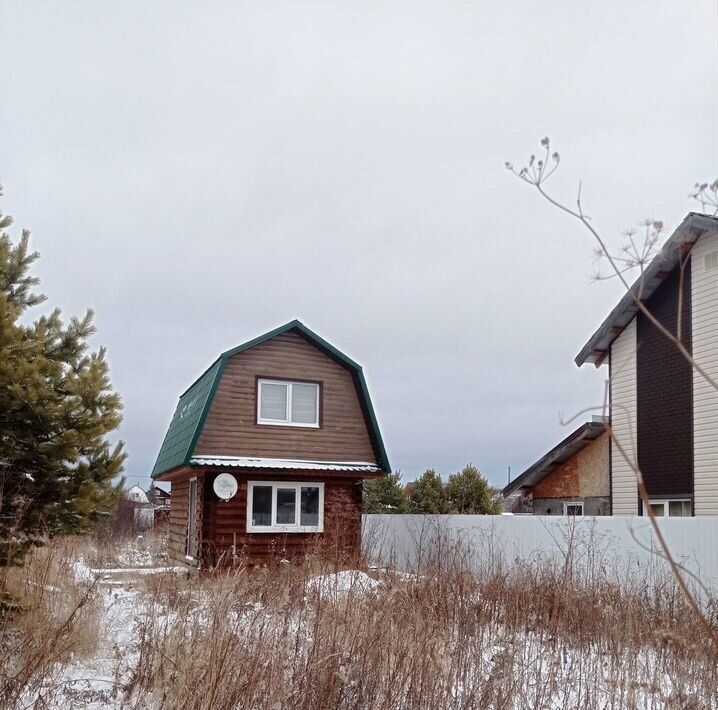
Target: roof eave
x,y
688,232
578,439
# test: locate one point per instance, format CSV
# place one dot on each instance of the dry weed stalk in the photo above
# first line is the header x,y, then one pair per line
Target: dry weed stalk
x,y
634,255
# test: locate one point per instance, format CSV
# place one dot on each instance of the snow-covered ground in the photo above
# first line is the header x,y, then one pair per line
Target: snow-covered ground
x,y
580,676
102,681
98,682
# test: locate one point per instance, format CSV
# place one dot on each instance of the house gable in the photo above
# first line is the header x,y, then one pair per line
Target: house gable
x,y
292,348
231,428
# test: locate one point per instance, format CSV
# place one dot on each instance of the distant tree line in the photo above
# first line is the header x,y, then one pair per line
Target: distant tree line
x,y
465,492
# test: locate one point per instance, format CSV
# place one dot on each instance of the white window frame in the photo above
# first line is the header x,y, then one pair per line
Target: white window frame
x,y
573,502
287,421
284,528
666,506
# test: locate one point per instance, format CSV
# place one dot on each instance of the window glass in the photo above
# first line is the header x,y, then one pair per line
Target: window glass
x,y
262,505
286,506
574,509
274,402
679,508
304,403
309,506
657,509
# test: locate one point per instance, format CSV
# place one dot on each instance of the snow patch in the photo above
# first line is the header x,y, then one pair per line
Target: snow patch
x,y
345,582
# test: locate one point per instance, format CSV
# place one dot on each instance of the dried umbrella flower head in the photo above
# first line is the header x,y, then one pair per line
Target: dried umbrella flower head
x,y
536,171
707,195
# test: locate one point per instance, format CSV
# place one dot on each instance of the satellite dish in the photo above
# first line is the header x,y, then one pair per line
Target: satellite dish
x,y
225,486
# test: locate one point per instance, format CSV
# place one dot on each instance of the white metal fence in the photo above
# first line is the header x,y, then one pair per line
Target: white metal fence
x,y
624,547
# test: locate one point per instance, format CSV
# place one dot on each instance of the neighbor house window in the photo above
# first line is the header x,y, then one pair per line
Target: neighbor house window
x,y
573,509
288,403
285,507
675,508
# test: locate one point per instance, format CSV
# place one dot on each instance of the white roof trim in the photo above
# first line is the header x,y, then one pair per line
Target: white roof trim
x,y
288,464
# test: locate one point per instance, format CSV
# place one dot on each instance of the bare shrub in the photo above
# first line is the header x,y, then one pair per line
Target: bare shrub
x,y
48,619
123,547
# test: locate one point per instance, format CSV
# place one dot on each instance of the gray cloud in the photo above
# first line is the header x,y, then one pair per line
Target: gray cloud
x,y
200,173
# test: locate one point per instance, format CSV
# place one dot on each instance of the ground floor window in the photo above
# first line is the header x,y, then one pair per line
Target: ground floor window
x,y
274,506
573,509
669,508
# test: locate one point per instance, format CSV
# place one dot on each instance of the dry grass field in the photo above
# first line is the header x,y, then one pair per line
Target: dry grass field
x,y
114,625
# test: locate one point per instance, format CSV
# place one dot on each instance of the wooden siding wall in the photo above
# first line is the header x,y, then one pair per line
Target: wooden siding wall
x,y
231,428
225,522
624,489
704,297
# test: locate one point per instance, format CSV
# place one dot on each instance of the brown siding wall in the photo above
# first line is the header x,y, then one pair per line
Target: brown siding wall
x,y
664,382
231,428
225,522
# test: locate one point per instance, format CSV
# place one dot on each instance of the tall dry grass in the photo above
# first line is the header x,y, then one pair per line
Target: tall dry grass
x,y
47,620
530,637
301,636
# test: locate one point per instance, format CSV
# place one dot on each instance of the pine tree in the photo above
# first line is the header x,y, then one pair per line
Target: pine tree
x,y
384,494
469,492
56,408
429,494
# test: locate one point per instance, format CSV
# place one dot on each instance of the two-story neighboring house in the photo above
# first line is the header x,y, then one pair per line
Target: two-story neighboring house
x,y
664,412
288,417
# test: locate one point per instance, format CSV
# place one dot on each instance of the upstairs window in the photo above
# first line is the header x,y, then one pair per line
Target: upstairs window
x,y
286,403
274,506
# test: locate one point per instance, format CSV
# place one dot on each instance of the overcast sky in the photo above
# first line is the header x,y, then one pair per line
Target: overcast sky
x,y
200,173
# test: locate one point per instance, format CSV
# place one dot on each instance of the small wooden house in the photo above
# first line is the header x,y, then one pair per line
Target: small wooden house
x,y
286,420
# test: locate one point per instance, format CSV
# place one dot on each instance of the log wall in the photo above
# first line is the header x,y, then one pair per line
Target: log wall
x,y
224,527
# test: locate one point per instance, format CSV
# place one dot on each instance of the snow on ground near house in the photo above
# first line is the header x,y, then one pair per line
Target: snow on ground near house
x,y
135,557
341,583
84,573
96,682
101,680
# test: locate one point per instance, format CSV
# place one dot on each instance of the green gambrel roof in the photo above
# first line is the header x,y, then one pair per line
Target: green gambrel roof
x,y
187,421
194,405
